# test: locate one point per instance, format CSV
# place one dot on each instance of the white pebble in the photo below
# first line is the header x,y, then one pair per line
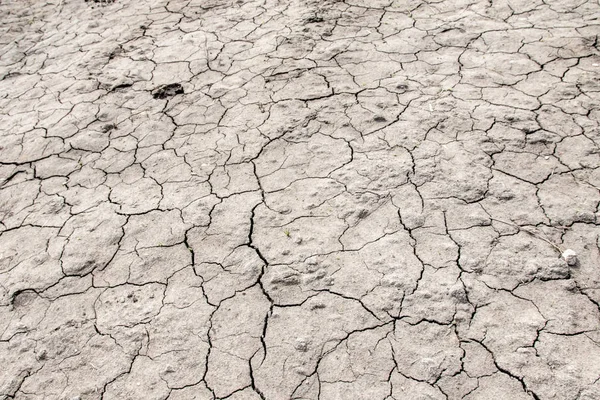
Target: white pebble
x,y
570,257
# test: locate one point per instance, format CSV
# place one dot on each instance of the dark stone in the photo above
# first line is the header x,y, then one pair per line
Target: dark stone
x,y
109,127
314,20
166,91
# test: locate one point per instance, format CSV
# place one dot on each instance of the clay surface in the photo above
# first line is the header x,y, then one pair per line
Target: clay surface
x,y
299,199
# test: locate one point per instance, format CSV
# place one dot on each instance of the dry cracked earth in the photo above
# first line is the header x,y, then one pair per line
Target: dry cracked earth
x,y
286,199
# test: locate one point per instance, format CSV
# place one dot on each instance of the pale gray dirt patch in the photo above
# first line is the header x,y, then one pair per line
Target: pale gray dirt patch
x,y
285,199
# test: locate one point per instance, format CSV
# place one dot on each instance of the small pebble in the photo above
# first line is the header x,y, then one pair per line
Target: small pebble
x,y
570,257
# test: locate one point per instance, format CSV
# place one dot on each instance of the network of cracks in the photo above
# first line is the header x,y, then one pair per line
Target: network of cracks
x,y
286,199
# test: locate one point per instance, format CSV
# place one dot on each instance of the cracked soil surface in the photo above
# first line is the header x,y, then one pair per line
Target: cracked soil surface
x,y
286,199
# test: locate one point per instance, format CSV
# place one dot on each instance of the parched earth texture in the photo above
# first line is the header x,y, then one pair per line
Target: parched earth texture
x,y
286,199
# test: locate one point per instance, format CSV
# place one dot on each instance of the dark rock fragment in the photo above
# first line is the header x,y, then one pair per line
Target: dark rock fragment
x,y
314,20
166,91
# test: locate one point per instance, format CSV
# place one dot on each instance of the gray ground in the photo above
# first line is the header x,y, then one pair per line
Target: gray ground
x,y
332,199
